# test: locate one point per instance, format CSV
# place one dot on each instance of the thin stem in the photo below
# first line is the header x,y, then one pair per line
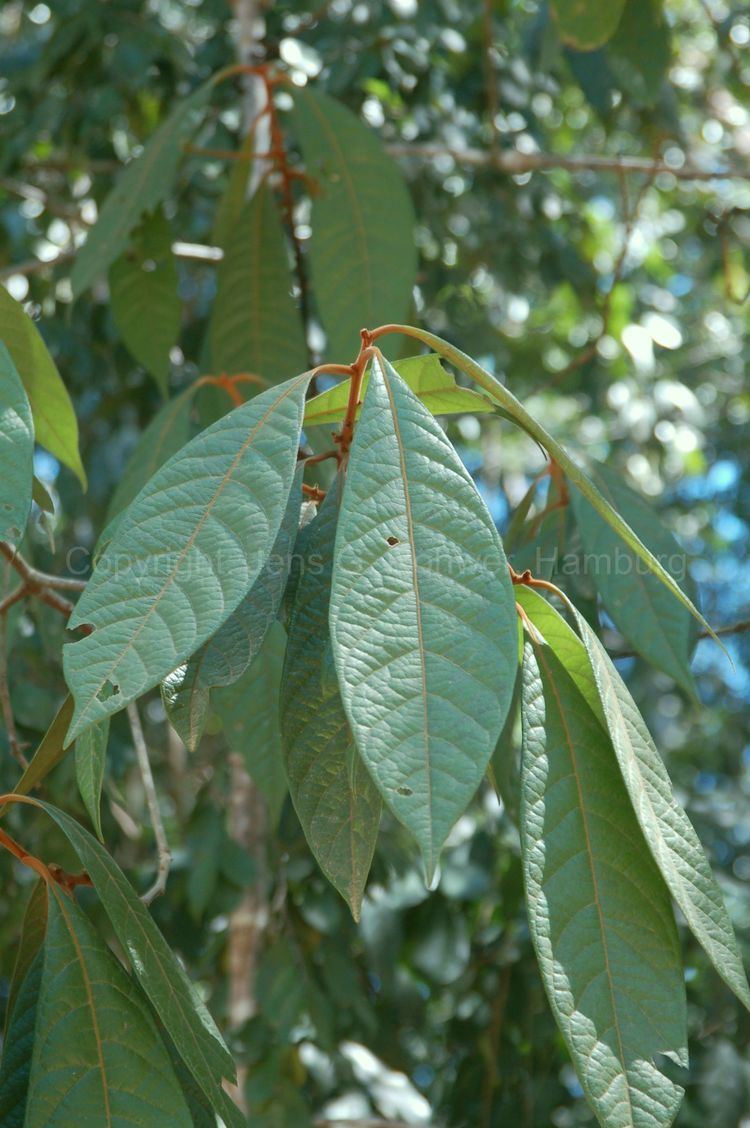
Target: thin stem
x,y
163,853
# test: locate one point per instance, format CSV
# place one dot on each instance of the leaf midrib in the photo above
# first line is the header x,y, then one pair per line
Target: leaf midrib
x,y
590,858
191,540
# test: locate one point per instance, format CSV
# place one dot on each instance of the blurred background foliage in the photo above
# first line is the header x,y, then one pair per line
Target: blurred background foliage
x,y
612,302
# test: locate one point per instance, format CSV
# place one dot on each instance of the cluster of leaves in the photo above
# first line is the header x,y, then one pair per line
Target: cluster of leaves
x,y
219,677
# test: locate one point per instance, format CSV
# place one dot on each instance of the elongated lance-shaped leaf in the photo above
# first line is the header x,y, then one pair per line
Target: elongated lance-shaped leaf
x,y
18,1046
363,259
424,374
249,711
185,554
518,413
255,325
32,937
97,1055
140,187
91,753
52,749
673,842
423,619
16,450
336,800
144,299
55,424
156,968
228,653
235,194
167,432
641,608
600,915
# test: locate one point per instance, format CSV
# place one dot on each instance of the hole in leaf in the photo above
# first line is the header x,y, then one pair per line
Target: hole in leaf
x,y
404,791
393,540
7,507
109,690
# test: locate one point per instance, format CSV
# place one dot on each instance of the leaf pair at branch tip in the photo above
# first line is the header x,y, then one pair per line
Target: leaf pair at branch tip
x,y
422,616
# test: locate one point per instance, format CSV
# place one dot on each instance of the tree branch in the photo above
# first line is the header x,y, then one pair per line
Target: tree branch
x,y
741,627
163,853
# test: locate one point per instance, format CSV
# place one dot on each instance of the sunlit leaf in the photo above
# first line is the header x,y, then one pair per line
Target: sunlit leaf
x,y
362,253
333,794
587,24
16,451
55,424
425,375
599,912
185,554
423,619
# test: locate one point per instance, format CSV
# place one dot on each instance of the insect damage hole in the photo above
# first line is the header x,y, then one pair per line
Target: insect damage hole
x,y
392,540
404,791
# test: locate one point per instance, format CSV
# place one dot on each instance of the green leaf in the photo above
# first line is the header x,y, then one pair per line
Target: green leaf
x,y
91,752
640,52
140,187
55,425
641,608
600,916
255,325
167,433
42,496
185,554
97,1056
228,653
587,24
426,377
336,800
52,749
157,969
144,299
249,712
18,1047
235,195
16,451
665,825
515,410
33,931
362,254
423,619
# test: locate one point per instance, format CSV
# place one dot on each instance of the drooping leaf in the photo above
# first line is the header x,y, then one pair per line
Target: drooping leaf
x,y
97,1055
185,554
587,24
42,496
52,749
91,752
423,619
235,194
140,187
157,969
228,653
518,413
336,800
639,605
599,912
144,299
33,932
362,253
255,324
425,375
18,1047
167,432
665,825
16,451
249,712
55,424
